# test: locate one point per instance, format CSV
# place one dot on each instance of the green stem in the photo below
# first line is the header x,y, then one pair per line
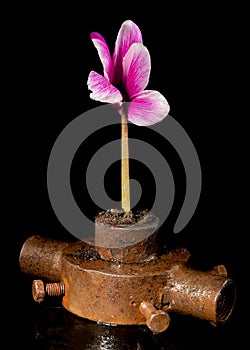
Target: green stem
x,y
125,187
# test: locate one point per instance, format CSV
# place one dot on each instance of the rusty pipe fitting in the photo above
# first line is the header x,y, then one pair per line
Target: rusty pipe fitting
x,y
140,292
41,256
205,295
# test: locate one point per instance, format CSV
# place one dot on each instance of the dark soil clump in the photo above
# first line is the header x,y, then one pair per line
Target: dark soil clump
x,y
85,253
117,217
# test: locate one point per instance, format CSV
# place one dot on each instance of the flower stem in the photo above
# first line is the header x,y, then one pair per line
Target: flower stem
x,y
125,187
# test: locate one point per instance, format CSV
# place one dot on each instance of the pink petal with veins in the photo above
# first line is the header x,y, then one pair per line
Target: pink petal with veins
x,y
102,90
136,69
104,54
147,108
128,34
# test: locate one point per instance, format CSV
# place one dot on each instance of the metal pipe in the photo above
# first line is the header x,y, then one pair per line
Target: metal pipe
x,y
205,295
41,256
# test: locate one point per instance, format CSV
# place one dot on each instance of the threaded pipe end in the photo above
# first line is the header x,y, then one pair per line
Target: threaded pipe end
x,y
225,301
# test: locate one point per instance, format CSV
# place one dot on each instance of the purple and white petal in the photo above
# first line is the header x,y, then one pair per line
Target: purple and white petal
x,y
104,54
102,90
136,69
128,34
147,108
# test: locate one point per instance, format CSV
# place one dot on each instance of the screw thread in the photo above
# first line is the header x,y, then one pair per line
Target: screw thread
x,y
55,289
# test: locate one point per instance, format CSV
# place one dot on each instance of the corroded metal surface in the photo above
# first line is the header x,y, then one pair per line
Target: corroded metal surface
x,y
41,289
112,292
128,243
136,253
38,291
132,293
41,257
156,320
206,295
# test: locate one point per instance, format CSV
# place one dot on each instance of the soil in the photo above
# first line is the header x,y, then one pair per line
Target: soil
x,y
117,217
85,253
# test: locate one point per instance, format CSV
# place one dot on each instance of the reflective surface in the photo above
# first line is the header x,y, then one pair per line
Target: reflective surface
x,y
49,327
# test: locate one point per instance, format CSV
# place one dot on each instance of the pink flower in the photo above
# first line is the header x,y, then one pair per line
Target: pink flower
x,y
126,75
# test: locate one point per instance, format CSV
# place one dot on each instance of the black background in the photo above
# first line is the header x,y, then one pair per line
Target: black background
x,y
196,55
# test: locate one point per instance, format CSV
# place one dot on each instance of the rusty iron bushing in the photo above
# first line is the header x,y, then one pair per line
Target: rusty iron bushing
x,y
133,243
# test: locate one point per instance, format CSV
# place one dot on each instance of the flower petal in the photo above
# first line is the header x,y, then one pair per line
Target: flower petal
x,y
104,54
128,34
147,108
102,90
136,69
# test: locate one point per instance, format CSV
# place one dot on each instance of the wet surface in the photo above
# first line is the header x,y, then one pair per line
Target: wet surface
x,y
49,327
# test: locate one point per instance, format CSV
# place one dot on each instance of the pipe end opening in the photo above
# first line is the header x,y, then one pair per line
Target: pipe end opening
x,y
225,301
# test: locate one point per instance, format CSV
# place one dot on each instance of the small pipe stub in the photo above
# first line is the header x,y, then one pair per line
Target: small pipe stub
x,y
205,295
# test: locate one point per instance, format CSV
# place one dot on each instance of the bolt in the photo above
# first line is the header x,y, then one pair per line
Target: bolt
x,y
41,289
156,320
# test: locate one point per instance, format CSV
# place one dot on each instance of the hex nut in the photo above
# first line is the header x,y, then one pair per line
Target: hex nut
x,y
38,291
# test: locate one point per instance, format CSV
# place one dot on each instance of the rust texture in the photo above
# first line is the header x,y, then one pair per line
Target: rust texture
x,y
206,295
41,257
135,291
41,289
38,291
156,320
128,243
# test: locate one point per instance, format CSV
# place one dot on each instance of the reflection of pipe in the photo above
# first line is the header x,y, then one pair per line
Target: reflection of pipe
x,y
205,295
127,293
